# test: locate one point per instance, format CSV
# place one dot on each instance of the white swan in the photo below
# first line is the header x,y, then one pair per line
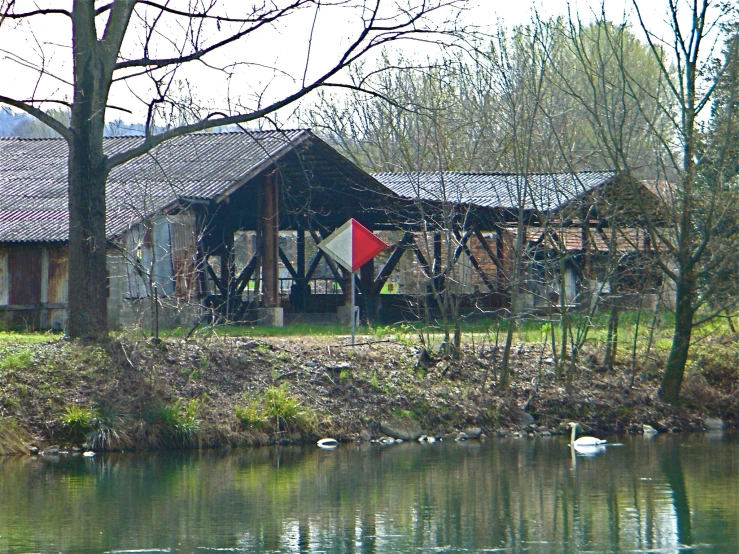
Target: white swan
x,y
585,445
328,443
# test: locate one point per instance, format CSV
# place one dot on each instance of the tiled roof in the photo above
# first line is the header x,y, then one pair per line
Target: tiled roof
x,y
627,239
539,191
33,178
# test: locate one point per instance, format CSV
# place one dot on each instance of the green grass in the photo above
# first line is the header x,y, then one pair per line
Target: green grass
x,y
276,406
16,360
251,416
292,329
78,423
27,338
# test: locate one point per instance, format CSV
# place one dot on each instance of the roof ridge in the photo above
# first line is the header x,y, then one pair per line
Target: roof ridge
x,y
199,133
499,173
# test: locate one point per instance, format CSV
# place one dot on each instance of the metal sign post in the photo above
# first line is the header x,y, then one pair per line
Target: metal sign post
x,y
353,311
351,246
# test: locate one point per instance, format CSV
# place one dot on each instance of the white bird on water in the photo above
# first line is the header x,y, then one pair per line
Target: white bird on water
x,y
585,445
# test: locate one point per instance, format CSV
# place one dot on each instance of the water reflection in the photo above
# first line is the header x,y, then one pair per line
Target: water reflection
x,y
509,496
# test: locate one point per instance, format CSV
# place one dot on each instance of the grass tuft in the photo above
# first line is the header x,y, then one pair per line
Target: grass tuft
x,y
176,425
16,361
13,438
79,423
279,407
251,416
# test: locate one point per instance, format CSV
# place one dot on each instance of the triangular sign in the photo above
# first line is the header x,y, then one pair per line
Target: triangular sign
x,y
352,245
365,245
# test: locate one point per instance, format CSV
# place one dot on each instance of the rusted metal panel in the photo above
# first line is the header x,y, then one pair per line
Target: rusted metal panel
x,y
4,281
54,282
24,268
184,241
58,275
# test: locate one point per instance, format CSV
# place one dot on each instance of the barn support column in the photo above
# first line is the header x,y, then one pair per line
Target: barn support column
x,y
367,278
270,313
228,268
300,291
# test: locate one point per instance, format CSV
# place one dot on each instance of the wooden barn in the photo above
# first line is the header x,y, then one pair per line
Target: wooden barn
x,y
224,226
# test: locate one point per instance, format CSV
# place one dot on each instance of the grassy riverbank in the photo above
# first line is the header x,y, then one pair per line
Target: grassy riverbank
x,y
253,390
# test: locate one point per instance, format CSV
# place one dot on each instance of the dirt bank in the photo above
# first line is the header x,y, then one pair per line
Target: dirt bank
x,y
133,394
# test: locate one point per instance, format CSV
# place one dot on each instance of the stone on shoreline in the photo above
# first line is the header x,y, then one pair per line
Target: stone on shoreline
x,y
405,429
473,432
713,424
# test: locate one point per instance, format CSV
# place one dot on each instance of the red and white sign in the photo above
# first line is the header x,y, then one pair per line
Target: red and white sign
x,y
352,245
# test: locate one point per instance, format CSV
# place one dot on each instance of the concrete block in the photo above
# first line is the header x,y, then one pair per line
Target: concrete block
x,y
272,317
344,315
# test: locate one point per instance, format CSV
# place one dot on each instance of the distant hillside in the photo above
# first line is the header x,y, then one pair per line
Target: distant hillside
x,y
18,124
8,122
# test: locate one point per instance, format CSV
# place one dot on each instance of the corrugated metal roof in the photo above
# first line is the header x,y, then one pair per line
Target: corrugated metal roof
x,y
33,178
540,191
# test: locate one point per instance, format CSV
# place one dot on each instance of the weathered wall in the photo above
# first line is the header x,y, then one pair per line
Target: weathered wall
x,y
34,278
33,286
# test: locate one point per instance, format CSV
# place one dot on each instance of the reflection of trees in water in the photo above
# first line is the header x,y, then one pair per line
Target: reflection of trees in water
x,y
669,461
513,494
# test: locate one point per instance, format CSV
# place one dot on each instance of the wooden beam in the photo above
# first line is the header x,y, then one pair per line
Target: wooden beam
x,y
300,243
460,248
488,249
422,260
436,269
367,288
246,273
392,262
216,279
479,269
338,275
314,265
288,265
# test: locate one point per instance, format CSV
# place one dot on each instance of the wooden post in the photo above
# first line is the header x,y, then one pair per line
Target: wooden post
x,y
367,278
301,282
270,242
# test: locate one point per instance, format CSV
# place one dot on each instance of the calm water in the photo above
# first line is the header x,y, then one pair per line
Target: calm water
x,y
668,494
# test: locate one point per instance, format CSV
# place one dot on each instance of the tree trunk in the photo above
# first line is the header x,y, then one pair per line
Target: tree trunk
x,y
612,336
669,390
93,68
88,298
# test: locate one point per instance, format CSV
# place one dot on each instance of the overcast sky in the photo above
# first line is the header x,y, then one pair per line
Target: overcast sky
x,y
284,47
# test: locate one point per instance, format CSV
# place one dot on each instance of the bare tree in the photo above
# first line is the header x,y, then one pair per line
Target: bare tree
x,y
122,42
692,233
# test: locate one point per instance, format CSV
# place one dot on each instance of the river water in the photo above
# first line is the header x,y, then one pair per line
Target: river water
x,y
666,494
